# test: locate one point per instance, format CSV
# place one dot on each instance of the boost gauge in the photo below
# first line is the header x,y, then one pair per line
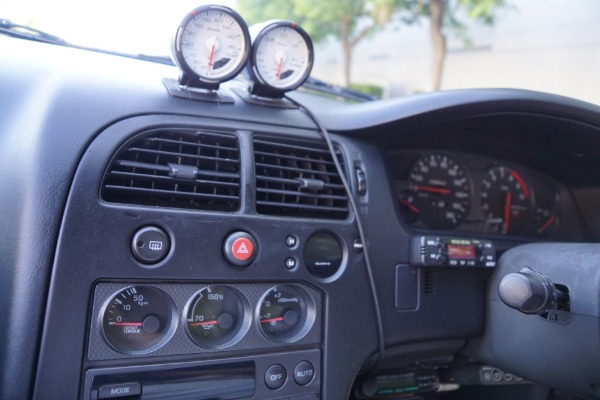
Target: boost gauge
x,y
211,46
281,59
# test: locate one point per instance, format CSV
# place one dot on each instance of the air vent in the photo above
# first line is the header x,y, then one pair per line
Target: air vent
x,y
177,168
299,179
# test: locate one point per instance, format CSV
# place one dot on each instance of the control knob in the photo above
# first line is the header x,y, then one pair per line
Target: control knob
x,y
528,291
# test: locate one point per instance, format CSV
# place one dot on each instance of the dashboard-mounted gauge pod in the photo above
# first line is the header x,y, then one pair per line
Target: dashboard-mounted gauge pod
x,y
281,58
211,46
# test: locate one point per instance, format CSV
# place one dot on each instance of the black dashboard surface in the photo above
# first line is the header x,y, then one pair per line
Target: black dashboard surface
x,y
66,113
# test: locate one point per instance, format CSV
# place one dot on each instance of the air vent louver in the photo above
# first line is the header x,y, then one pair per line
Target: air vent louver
x,y
177,168
299,179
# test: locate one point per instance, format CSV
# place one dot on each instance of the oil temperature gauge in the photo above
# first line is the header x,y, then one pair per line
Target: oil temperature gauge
x,y
138,320
211,46
286,313
281,58
216,317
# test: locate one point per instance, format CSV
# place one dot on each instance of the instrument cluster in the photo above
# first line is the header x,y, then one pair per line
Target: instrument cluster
x,y
467,193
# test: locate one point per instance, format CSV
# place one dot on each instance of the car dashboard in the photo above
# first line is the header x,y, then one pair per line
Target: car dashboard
x,y
265,277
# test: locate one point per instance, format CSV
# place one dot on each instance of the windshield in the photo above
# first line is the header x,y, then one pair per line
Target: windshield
x,y
389,48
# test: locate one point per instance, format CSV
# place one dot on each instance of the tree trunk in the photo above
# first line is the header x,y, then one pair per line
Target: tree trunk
x,y
438,42
346,48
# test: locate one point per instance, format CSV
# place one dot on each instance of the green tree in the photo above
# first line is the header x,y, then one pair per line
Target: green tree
x,y
443,16
350,21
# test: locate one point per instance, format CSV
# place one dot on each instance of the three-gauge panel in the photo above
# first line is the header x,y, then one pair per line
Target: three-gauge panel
x,y
140,319
447,191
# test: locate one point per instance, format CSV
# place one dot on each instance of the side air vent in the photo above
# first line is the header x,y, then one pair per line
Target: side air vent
x,y
299,179
177,168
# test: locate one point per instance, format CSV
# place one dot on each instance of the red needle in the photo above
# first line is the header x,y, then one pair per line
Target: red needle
x,y
546,225
212,55
432,189
205,323
264,321
125,323
279,68
507,212
410,206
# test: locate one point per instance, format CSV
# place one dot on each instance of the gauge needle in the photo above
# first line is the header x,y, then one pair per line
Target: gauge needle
x,y
546,225
125,323
408,204
205,323
265,321
278,74
432,189
507,212
212,56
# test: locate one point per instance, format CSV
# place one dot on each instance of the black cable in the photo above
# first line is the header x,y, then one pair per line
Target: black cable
x,y
379,321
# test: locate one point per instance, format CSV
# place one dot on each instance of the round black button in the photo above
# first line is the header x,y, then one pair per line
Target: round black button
x,y
150,245
290,263
304,373
291,241
275,376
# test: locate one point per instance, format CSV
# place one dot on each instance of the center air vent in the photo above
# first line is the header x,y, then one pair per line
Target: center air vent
x,y
298,178
177,168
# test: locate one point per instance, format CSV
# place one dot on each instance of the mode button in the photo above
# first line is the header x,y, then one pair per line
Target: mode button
x,y
119,390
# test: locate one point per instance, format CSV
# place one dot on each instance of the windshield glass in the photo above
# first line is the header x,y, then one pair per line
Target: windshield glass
x,y
389,48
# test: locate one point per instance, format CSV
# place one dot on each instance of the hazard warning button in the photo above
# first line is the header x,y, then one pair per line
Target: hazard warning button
x,y
239,248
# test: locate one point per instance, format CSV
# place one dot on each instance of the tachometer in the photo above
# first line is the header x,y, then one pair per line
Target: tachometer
x,y
505,201
439,191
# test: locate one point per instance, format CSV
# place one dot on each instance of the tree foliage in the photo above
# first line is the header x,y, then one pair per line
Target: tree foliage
x,y
350,21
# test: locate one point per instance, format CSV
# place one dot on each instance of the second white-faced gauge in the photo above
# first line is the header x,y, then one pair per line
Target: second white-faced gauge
x,y
440,191
281,58
211,46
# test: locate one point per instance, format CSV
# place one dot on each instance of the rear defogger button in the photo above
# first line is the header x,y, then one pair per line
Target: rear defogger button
x,y
240,248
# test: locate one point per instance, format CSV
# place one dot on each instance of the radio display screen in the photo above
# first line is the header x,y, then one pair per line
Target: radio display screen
x,y
461,252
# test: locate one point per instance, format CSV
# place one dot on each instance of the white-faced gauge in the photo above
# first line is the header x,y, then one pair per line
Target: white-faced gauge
x,y
211,46
281,58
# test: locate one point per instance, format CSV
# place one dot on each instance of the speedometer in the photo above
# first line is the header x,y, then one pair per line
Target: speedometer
x,y
440,191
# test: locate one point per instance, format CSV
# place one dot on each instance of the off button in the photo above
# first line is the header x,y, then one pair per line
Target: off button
x,y
275,376
239,248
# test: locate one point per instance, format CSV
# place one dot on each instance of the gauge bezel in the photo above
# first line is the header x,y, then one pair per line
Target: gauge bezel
x,y
261,86
242,329
180,61
169,332
308,307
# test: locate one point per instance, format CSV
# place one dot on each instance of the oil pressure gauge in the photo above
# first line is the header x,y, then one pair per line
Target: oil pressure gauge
x,y
211,46
281,58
